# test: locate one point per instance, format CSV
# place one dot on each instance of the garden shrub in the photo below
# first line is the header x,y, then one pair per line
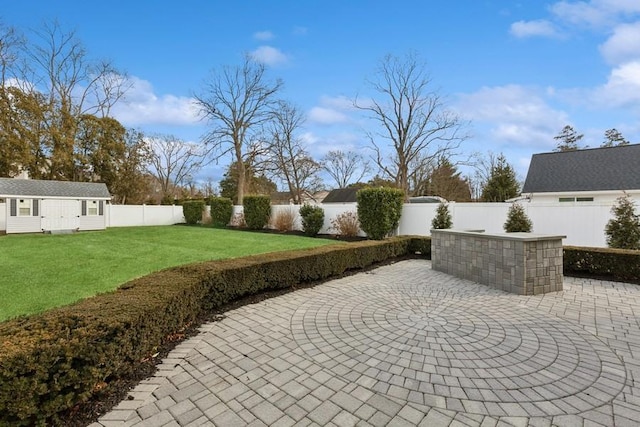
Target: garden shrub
x,y
257,210
284,219
52,361
221,211
618,264
379,210
312,219
442,220
517,220
346,224
623,230
192,210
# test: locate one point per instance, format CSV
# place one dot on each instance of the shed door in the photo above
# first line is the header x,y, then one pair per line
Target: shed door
x,y
60,214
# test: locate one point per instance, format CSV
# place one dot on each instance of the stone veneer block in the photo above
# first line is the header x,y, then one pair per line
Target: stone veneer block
x,y
520,263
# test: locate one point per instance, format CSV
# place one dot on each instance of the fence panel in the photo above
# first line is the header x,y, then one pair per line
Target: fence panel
x,y
583,224
141,215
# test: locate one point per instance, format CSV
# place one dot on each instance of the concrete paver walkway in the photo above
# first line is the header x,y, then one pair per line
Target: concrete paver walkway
x,y
405,345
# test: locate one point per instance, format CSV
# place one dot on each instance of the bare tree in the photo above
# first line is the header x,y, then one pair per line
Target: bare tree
x,y
412,120
173,161
11,43
286,158
54,67
345,167
237,101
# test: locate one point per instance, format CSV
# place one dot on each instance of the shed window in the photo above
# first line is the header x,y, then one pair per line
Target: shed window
x,y
92,208
566,199
584,199
24,207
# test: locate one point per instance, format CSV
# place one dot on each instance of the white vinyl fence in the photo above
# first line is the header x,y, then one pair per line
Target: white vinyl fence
x,y
136,215
582,223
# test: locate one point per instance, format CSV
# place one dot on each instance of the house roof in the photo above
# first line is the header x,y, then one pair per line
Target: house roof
x,y
12,187
341,195
596,169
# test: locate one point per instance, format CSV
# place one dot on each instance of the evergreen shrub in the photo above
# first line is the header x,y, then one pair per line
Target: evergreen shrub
x,y
312,219
221,211
257,210
442,220
379,210
192,210
517,220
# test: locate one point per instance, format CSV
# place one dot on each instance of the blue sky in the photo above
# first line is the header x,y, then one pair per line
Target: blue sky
x,y
517,70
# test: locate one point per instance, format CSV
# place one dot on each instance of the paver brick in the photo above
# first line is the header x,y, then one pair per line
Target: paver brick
x,y
406,344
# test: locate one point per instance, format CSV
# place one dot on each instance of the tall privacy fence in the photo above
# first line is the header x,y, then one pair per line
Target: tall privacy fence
x,y
582,223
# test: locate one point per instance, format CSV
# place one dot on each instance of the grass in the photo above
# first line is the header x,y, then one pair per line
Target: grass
x,y
40,271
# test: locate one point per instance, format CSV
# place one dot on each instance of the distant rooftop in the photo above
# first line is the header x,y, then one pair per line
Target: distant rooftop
x,y
595,169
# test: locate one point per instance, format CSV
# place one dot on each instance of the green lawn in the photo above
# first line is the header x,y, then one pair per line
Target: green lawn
x,y
38,271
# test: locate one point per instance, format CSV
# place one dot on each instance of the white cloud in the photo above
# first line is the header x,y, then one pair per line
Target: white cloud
x,y
539,27
623,45
263,35
513,115
622,88
594,13
326,116
142,106
332,110
269,55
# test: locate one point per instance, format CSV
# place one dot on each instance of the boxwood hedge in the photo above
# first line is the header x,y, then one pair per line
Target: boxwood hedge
x,y
52,361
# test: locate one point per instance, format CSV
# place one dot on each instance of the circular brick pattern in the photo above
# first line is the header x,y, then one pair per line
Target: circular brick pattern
x,y
446,349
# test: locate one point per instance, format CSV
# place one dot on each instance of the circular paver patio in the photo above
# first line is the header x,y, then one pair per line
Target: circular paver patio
x,y
405,345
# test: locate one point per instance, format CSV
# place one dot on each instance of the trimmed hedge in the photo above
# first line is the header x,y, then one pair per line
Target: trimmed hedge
x,y
379,210
619,264
52,361
257,210
192,210
221,211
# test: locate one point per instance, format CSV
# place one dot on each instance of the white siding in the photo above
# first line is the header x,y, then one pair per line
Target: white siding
x,y
3,216
598,196
23,224
92,222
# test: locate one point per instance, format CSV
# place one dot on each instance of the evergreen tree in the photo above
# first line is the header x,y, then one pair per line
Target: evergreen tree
x,y
502,183
442,219
517,220
445,181
613,138
623,231
568,139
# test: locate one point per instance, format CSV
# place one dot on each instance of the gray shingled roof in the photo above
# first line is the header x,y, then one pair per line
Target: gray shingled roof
x,y
11,187
341,195
596,169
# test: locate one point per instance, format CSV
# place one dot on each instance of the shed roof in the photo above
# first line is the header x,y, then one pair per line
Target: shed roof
x,y
595,169
12,187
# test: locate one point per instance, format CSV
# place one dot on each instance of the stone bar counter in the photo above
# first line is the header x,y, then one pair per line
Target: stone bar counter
x,y
519,263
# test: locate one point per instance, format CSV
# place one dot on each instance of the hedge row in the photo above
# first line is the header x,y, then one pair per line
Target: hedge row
x,y
52,361
618,264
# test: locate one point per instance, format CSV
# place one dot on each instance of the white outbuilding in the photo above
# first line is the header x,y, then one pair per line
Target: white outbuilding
x,y
34,206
